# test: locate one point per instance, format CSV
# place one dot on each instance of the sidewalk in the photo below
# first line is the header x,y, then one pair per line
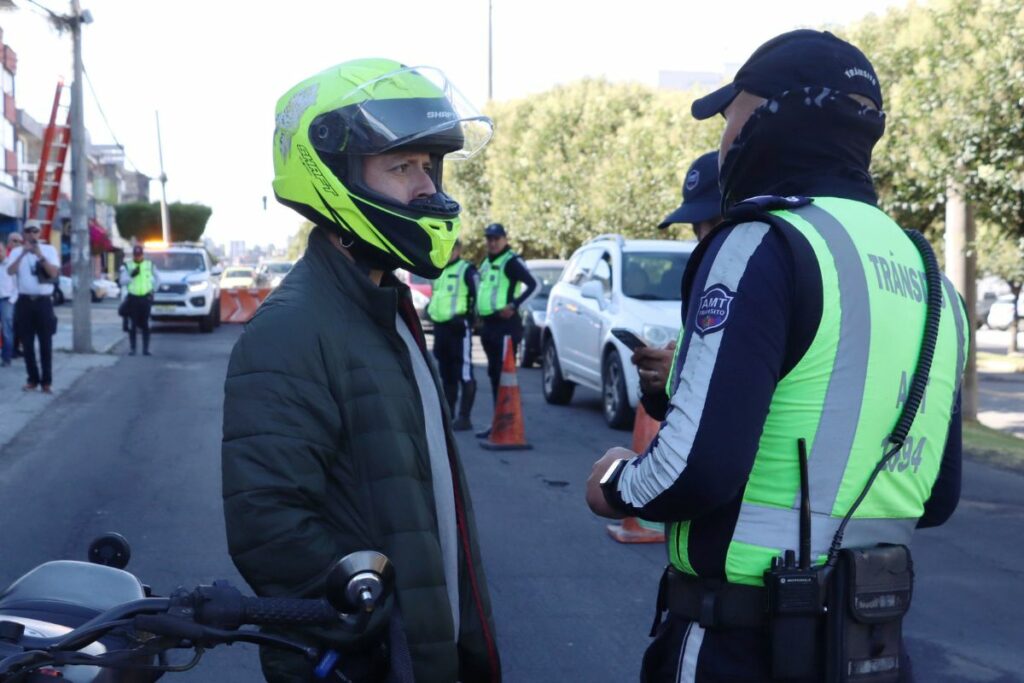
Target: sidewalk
x,y
18,408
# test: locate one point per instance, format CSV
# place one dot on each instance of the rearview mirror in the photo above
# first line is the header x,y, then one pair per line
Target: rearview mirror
x,y
217,269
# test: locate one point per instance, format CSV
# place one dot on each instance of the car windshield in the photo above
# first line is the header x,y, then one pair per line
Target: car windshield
x,y
654,276
176,260
279,268
238,272
546,278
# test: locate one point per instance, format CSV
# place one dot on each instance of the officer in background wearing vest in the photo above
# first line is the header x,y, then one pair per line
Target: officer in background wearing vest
x,y
451,305
497,304
702,209
140,298
804,316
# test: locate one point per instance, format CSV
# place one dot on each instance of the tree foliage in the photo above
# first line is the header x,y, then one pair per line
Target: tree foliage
x,y
141,221
577,161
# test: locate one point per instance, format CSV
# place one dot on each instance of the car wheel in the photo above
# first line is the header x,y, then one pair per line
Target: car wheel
x,y
92,296
557,390
617,412
58,296
216,314
206,323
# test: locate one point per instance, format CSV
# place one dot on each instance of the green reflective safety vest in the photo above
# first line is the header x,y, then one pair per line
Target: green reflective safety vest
x,y
493,293
141,284
450,296
844,397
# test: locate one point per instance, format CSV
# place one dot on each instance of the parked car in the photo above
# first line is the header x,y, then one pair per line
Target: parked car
x,y
1000,315
546,272
102,288
238,276
610,282
271,273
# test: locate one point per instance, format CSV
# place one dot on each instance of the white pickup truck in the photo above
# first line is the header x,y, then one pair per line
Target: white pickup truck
x,y
188,287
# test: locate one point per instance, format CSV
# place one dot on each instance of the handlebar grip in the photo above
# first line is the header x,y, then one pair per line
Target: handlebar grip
x,y
297,611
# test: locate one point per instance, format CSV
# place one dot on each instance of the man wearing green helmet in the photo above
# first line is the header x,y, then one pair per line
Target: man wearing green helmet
x,y
335,435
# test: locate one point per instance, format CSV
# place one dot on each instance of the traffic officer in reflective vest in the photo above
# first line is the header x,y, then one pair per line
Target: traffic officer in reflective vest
x,y
140,297
497,303
804,315
451,305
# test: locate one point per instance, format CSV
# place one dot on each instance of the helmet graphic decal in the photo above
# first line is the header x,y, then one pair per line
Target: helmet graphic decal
x,y
288,120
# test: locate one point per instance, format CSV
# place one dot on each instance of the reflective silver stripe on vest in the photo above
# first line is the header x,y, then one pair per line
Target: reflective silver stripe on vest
x,y
665,462
840,413
780,528
459,284
954,301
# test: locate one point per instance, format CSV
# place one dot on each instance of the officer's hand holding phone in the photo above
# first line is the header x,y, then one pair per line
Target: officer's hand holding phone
x,y
653,365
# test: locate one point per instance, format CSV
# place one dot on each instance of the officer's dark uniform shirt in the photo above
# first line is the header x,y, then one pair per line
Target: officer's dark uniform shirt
x,y
770,325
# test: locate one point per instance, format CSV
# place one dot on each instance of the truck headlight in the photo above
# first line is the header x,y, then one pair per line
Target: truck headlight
x,y
198,286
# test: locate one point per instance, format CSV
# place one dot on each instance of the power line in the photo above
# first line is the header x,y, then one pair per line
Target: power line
x,y
103,115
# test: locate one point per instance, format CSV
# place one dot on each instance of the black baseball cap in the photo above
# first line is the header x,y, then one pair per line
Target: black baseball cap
x,y
794,60
494,230
702,200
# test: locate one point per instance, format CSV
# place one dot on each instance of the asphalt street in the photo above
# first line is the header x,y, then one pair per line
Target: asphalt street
x,y
135,447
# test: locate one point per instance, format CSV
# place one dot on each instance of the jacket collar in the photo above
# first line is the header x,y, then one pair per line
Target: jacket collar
x,y
352,281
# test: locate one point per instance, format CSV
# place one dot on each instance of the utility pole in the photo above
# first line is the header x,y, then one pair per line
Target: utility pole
x,y
490,50
165,216
81,314
961,268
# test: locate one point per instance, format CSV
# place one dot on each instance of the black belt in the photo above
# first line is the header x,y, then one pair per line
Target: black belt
x,y
713,603
35,297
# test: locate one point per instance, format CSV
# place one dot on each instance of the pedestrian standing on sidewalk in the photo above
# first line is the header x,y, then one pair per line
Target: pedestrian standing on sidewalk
x,y
140,298
8,298
37,267
335,435
11,345
497,304
451,309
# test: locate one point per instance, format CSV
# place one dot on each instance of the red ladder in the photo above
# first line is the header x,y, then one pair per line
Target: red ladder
x,y
56,141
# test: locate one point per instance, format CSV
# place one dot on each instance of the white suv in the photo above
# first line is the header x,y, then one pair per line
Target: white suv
x,y
611,282
189,288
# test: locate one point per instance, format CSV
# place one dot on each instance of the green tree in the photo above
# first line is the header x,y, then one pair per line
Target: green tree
x,y
141,221
579,160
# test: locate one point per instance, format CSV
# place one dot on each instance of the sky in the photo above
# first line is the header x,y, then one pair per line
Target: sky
x,y
214,69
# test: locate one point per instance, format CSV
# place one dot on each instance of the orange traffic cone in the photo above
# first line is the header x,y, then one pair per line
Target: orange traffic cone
x,y
507,432
633,530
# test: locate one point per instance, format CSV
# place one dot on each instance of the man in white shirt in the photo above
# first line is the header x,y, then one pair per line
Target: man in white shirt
x,y
37,266
8,297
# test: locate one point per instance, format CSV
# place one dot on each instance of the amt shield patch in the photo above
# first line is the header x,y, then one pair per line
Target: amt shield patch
x,y
713,309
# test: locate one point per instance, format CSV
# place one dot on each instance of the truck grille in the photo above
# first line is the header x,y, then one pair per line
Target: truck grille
x,y
173,289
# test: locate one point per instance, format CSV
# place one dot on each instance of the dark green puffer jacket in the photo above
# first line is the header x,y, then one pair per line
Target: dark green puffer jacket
x,y
325,453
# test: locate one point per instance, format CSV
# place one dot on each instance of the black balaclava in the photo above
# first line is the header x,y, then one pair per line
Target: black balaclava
x,y
807,142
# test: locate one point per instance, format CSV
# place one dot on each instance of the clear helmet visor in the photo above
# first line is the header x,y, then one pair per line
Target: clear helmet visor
x,y
408,107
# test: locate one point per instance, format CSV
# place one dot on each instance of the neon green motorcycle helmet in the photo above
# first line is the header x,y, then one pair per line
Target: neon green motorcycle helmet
x,y
328,123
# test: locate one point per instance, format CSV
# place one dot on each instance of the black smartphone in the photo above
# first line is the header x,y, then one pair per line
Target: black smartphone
x,y
628,338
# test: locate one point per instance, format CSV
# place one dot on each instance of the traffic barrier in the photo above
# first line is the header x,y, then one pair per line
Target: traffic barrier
x,y
507,431
632,529
239,305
